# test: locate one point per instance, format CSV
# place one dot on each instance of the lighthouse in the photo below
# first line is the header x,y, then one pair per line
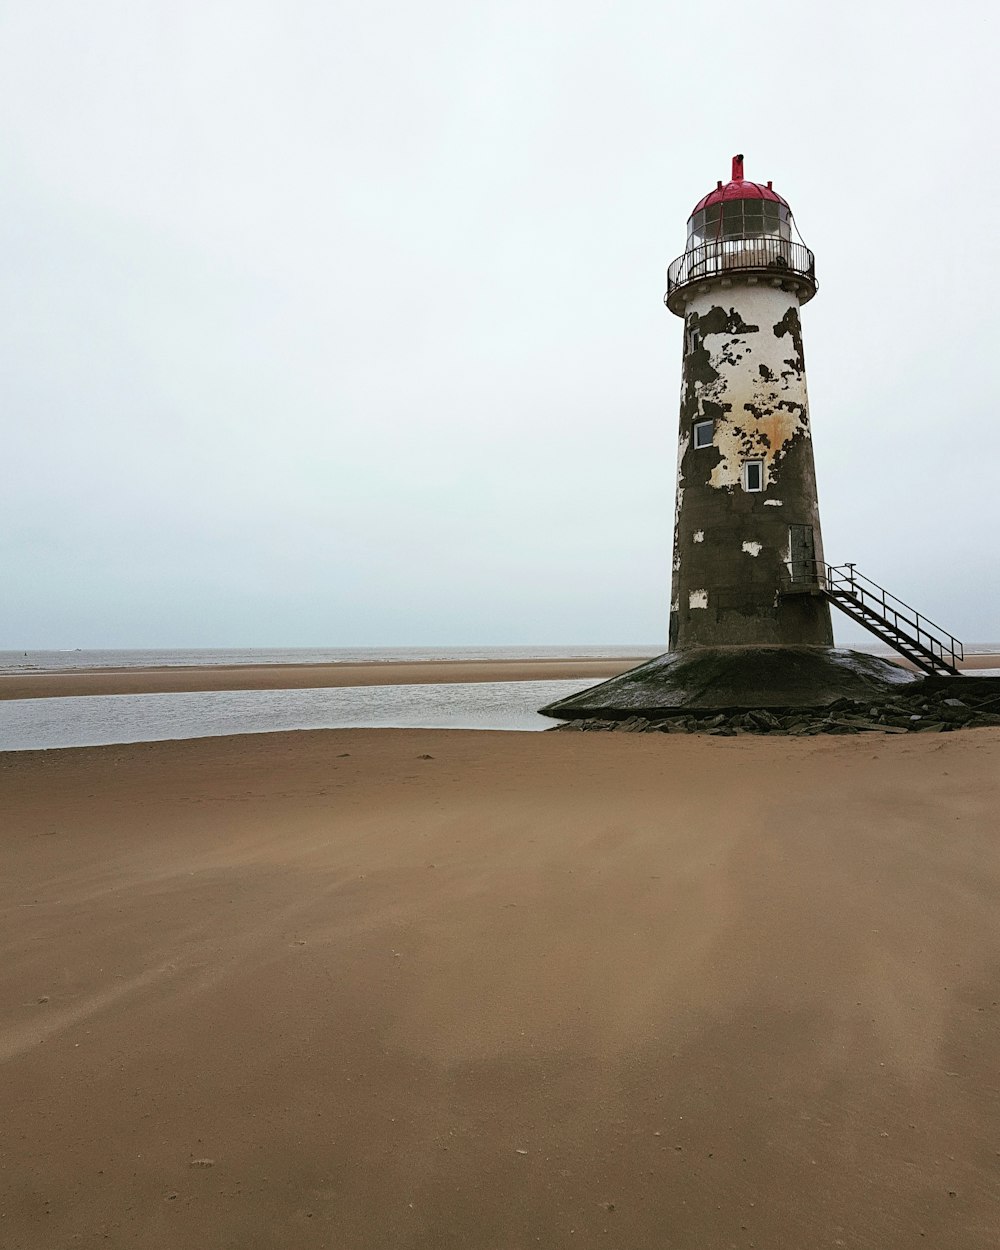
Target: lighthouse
x,y
747,516
751,589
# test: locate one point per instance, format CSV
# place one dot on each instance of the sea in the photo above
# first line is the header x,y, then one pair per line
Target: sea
x,y
99,720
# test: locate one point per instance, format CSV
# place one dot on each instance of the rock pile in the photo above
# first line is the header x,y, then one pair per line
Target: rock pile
x,y
937,705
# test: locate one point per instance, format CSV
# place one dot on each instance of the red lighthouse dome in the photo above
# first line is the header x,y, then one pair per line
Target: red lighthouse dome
x,y
738,210
739,189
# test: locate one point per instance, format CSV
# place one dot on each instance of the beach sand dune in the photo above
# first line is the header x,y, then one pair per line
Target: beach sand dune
x,y
446,990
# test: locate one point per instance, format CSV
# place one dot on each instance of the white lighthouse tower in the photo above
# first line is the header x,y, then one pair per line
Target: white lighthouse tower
x,y
747,515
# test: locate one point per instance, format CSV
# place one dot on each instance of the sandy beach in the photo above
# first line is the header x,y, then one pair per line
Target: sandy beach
x,y
424,989
297,676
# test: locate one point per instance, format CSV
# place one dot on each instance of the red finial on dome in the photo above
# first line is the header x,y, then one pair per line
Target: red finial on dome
x,y
738,168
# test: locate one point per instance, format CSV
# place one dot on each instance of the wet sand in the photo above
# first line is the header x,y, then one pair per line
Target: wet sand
x,y
472,991
298,676
319,676
970,663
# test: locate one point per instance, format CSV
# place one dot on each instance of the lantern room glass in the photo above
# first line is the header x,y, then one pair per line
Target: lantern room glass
x,y
731,220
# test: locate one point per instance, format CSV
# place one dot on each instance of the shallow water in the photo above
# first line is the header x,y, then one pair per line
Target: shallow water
x,y
98,720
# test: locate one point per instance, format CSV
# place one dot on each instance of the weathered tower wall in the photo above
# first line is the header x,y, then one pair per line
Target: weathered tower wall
x,y
744,371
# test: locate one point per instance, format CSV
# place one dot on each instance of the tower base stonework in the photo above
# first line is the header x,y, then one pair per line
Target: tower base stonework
x,y
732,678
710,696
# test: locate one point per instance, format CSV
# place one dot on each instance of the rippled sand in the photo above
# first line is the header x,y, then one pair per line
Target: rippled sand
x,y
469,990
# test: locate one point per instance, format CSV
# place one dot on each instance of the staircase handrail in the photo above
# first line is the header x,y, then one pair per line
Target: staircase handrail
x,y
846,578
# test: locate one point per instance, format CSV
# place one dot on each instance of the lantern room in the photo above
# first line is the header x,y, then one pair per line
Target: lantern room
x,y
739,210
741,226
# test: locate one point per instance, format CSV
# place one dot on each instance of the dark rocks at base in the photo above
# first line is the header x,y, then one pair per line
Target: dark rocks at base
x,y
932,705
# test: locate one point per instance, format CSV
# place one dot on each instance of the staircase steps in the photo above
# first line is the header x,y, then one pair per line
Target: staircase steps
x,y
927,646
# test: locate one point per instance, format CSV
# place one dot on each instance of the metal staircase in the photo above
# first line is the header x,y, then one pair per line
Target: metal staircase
x,y
924,644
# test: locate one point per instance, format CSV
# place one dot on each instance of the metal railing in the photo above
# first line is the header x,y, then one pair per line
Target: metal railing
x,y
840,581
771,254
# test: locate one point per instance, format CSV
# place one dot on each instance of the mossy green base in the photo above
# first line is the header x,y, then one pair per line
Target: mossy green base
x,y
736,677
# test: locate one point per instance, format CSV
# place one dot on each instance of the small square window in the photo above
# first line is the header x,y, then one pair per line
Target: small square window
x,y
753,475
703,433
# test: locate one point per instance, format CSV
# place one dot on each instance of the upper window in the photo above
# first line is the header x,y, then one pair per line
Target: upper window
x,y
703,433
753,475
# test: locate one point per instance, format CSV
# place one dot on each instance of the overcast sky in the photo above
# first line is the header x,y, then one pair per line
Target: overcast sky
x,y
341,323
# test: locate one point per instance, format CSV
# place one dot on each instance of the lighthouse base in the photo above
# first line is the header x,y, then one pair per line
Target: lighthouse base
x,y
736,678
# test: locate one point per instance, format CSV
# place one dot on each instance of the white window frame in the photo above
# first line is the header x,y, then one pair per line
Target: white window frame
x,y
702,425
752,490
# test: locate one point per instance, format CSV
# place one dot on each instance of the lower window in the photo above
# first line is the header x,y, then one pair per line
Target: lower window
x,y
753,475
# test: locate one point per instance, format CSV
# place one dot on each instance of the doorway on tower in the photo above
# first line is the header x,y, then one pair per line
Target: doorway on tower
x,y
802,554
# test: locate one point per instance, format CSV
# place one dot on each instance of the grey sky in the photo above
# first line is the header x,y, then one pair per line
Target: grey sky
x,y
341,323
